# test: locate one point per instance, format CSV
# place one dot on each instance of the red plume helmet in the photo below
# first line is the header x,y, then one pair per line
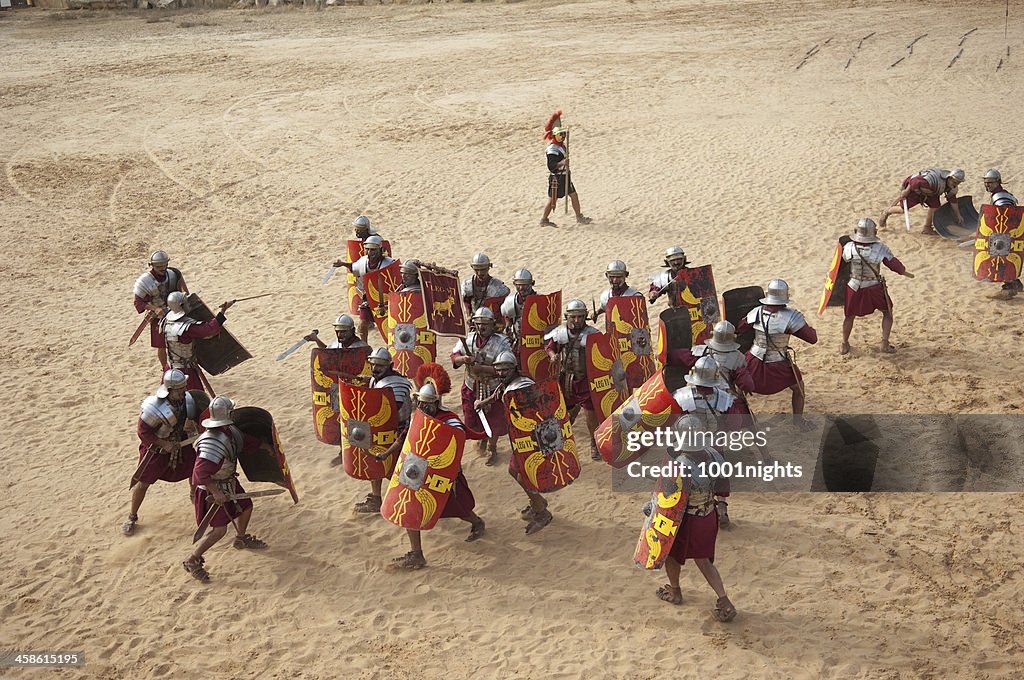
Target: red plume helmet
x,y
436,374
555,120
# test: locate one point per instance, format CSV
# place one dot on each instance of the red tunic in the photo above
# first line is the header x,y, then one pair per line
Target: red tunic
x,y
495,413
774,376
919,192
696,537
156,338
158,467
865,301
198,331
461,501
579,388
202,474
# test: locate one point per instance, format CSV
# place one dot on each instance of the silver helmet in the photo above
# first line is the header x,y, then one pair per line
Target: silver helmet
x,y
675,254
778,293
616,268
576,306
174,379
374,242
379,356
480,261
1001,198
483,314
159,257
220,412
177,303
993,175
723,337
427,393
522,276
345,321
704,373
957,175
505,358
362,221
411,267
691,432
866,231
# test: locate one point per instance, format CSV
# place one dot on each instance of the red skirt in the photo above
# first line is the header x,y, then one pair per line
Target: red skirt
x,y
772,377
579,395
495,414
220,518
156,338
158,469
460,502
696,538
866,301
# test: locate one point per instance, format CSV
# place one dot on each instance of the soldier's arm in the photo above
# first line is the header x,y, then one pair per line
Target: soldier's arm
x,y
202,475
148,436
207,329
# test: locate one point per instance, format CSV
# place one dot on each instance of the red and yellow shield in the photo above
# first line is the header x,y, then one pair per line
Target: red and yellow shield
x,y
667,508
650,407
543,445
378,285
356,249
444,313
328,367
630,332
999,244
410,343
540,315
698,294
834,292
425,473
607,378
369,426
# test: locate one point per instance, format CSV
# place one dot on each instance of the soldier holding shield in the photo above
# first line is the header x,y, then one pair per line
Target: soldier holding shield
x,y
385,376
373,260
567,347
999,196
616,275
664,283
512,307
151,290
926,187
180,333
345,329
481,288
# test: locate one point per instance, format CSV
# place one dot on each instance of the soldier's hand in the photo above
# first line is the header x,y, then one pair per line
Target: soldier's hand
x,y
311,337
225,306
218,496
166,445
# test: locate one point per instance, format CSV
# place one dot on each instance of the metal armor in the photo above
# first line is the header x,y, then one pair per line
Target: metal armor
x,y
179,354
556,149
865,262
355,344
493,289
147,286
164,416
496,344
361,266
701,498
572,349
727,361
607,294
401,388
706,406
512,308
221,446
519,382
772,331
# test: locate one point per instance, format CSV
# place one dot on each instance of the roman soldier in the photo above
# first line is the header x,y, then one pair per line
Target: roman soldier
x,y
383,375
165,420
180,333
410,271
559,175
536,513
432,383
664,283
567,348
512,307
707,395
723,348
999,196
616,275
217,485
926,187
363,228
345,329
373,260
866,291
768,360
481,286
151,291
477,352
697,534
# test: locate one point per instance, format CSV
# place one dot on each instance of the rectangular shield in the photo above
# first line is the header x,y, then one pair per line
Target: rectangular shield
x,y
945,224
378,285
221,352
673,332
541,313
355,249
738,303
543,445
607,378
410,342
425,473
267,463
697,293
650,407
630,331
369,426
999,244
441,303
834,293
328,367
668,505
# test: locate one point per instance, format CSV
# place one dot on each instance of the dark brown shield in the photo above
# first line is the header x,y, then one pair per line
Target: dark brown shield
x,y
673,332
945,224
267,462
221,352
738,303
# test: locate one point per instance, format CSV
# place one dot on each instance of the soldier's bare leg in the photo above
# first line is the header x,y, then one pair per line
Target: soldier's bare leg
x,y
138,495
414,558
801,423
552,202
886,330
575,200
363,329
844,348
592,424
373,500
671,592
492,451
242,538
477,526
724,610
194,563
928,229
891,210
161,355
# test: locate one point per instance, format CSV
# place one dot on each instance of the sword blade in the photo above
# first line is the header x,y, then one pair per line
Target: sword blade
x,y
966,243
252,297
906,214
483,421
255,494
284,355
329,274
205,523
138,331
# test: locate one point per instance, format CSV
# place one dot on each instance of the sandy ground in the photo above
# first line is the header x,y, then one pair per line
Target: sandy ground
x,y
245,142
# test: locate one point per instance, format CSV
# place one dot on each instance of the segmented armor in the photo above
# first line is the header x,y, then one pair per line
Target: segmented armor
x,y
221,445
476,293
482,386
865,262
772,331
148,286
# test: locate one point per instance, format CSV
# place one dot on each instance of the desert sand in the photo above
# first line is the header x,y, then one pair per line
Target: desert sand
x,y
244,142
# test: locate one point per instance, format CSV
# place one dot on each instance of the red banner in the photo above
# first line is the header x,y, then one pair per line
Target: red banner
x,y
441,303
